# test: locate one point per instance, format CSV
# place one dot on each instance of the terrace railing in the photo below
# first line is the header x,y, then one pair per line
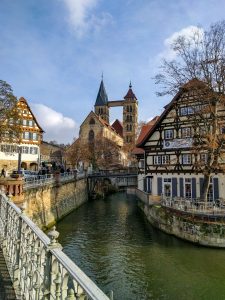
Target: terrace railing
x,y
37,265
194,205
41,180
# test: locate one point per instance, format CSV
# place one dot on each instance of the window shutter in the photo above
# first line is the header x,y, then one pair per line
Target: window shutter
x,y
216,188
174,187
201,187
181,187
144,182
193,184
159,185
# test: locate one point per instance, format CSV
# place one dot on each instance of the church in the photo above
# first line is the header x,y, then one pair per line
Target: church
x,y
97,123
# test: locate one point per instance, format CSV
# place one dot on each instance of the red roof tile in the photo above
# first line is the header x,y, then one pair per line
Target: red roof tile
x,y
118,127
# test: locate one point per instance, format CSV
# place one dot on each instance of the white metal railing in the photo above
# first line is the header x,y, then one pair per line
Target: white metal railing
x,y
38,268
41,180
194,205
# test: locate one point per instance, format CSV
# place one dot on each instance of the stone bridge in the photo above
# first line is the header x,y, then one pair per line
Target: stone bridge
x,y
121,179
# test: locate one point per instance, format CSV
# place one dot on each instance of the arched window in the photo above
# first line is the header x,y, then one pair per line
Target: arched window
x,y
91,136
92,121
131,109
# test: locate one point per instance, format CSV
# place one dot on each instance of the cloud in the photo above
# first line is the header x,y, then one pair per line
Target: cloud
x,y
82,17
56,126
187,32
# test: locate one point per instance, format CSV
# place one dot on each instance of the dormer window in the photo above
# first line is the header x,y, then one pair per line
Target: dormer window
x,y
168,134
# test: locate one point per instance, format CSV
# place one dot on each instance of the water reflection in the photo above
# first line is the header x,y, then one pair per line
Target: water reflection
x,y
113,243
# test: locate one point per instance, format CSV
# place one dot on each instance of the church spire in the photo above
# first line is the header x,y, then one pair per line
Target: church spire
x,y
130,94
102,98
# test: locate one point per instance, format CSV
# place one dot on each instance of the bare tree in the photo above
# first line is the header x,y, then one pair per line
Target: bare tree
x,y
78,152
106,153
9,115
200,60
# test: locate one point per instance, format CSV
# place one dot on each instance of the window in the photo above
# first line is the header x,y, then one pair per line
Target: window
x,y
91,136
165,159
24,122
33,150
129,127
142,163
187,188
203,158
31,123
168,134
157,160
183,111
167,187
185,132
35,136
9,148
26,135
92,121
202,130
188,110
25,149
222,130
186,159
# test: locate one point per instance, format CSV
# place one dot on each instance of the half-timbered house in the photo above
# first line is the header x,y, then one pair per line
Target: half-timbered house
x,y
170,162
28,144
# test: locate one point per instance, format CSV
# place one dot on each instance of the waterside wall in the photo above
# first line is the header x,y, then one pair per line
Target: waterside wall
x,y
45,205
203,230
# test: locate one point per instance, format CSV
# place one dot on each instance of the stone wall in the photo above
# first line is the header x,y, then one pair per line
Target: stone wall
x,y
47,204
186,226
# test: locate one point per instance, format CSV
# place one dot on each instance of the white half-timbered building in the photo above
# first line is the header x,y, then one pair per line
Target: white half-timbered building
x,y
169,163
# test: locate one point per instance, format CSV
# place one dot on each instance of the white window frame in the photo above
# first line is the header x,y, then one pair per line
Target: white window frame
x,y
168,134
187,181
165,159
186,159
185,132
157,160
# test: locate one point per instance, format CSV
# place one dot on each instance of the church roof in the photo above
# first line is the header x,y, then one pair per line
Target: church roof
x,y
102,98
117,125
130,93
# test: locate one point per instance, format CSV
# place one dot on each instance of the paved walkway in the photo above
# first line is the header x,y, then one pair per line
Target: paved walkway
x,y
6,288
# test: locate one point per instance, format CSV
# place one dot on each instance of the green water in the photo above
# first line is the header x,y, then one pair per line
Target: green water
x,y
111,241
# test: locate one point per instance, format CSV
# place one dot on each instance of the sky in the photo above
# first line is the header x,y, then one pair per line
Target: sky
x,y
53,53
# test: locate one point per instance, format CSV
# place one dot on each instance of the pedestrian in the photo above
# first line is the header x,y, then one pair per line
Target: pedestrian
x,y
3,172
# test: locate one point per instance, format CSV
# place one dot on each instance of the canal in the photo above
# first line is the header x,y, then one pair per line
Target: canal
x,y
111,241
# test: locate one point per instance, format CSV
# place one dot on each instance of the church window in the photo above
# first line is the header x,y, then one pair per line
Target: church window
x,y
91,136
92,121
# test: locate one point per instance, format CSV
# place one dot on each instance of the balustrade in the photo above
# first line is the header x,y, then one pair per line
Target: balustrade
x,y
37,265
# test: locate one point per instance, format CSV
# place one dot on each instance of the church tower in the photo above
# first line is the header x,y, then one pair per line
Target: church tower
x,y
101,103
130,117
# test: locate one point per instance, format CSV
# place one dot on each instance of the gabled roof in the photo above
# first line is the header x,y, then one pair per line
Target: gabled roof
x,y
100,120
22,99
130,94
117,125
146,128
102,98
193,84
